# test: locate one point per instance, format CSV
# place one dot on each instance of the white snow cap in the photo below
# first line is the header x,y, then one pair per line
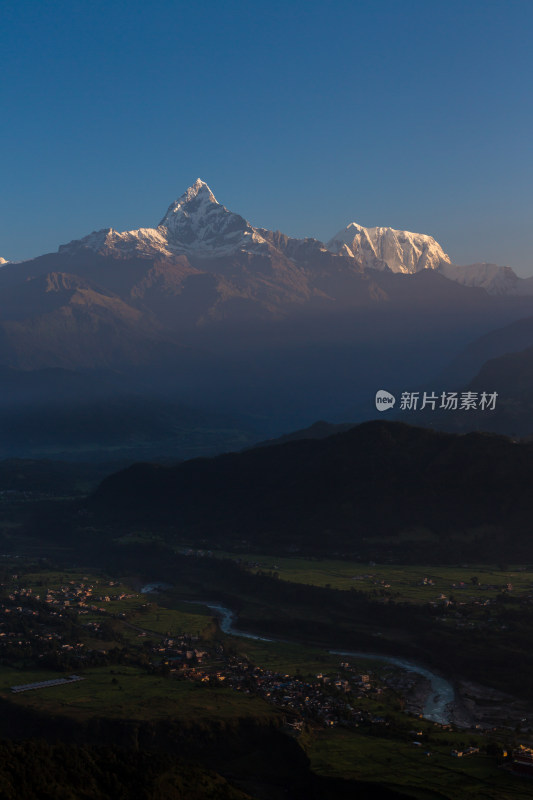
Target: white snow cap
x,y
196,224
199,191
407,252
378,248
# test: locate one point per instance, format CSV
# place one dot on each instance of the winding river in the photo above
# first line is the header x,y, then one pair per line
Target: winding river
x,y
437,706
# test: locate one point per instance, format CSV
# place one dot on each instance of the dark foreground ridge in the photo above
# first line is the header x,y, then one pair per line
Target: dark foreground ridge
x,y
146,761
381,489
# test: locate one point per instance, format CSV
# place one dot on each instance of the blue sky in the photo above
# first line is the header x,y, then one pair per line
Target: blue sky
x,y
301,116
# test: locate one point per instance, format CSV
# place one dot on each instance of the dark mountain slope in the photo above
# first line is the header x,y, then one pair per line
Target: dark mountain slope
x,y
318,430
380,490
511,338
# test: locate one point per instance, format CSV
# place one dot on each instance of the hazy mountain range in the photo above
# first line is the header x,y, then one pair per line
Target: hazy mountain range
x,y
209,313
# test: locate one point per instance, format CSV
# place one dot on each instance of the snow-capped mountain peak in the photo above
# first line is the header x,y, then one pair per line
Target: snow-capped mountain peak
x,y
407,252
196,199
379,248
195,225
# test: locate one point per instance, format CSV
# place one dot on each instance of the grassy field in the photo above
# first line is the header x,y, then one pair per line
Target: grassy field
x,y
161,620
347,754
127,692
122,691
402,582
294,659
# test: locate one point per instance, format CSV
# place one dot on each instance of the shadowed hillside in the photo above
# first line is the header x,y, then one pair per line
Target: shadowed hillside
x,y
380,490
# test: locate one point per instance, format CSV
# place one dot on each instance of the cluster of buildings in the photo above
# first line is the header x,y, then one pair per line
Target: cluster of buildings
x,y
326,700
36,623
25,633
522,761
470,751
83,596
80,595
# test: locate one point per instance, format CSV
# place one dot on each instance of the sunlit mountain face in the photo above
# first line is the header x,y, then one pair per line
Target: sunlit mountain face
x,y
213,313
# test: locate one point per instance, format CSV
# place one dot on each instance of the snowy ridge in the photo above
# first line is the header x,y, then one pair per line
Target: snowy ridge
x,y
379,248
407,252
198,226
146,242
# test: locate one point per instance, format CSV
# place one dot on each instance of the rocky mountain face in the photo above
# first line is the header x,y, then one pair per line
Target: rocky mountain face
x,y
195,225
407,253
386,248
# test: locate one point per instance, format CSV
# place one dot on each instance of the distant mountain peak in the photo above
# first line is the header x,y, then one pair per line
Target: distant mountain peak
x,y
379,248
197,224
199,194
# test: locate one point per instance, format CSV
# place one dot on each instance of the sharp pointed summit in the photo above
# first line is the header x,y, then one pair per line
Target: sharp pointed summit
x,y
199,194
195,225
